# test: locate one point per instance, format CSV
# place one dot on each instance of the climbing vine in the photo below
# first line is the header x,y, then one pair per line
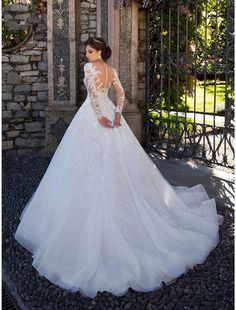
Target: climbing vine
x,y
12,39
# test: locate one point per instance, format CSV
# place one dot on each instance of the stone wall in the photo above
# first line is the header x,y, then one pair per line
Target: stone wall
x,y
25,72
24,89
25,76
88,28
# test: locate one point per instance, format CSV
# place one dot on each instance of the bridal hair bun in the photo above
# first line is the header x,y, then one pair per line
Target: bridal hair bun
x,y
100,45
106,52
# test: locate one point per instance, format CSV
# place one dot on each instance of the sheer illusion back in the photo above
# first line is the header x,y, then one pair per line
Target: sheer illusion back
x,y
104,76
98,78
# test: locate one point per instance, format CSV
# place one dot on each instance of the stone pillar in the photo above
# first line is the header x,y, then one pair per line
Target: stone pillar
x,y
62,75
128,65
120,28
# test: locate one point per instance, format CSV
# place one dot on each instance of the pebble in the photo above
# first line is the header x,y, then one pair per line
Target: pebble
x,y
206,286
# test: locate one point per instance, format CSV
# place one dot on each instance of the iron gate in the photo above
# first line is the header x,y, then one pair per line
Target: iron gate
x,y
190,80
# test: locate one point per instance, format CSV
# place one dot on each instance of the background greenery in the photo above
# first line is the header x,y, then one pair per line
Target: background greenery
x,y
12,38
188,46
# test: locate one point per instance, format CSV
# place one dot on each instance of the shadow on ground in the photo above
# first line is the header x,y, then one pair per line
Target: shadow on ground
x,y
206,286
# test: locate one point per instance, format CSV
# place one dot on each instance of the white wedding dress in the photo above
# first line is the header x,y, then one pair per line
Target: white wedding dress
x,y
103,217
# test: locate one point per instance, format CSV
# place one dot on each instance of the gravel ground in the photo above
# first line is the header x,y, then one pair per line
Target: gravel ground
x,y
206,286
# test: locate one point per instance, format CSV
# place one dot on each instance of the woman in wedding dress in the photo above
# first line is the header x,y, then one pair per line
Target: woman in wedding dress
x,y
103,217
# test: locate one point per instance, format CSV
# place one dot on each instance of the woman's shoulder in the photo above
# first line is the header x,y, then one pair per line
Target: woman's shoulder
x,y
111,67
91,68
90,64
87,65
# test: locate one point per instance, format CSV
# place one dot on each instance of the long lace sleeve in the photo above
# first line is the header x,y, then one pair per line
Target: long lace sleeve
x,y
90,75
120,94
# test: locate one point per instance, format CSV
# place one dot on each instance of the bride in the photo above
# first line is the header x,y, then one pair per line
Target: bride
x,y
103,217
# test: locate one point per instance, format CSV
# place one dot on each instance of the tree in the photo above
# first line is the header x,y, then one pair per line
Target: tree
x,y
186,39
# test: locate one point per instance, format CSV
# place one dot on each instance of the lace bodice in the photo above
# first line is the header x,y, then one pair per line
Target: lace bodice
x,y
97,83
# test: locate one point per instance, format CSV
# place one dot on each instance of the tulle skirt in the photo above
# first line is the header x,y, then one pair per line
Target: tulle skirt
x,y
104,218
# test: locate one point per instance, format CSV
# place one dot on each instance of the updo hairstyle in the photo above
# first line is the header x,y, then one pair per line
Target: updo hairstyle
x,y
100,45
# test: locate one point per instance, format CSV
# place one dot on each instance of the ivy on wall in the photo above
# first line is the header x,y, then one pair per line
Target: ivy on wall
x,y
12,38
39,6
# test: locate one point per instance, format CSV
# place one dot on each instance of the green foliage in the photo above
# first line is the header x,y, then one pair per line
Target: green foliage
x,y
7,2
174,124
171,51
193,41
13,38
212,92
10,38
213,36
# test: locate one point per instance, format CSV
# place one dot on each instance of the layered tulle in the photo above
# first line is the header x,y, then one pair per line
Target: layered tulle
x,y
104,218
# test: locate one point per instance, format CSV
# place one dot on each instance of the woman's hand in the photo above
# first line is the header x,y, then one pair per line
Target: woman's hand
x,y
117,119
105,122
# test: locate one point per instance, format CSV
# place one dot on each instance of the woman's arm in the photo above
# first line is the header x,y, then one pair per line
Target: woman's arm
x,y
90,75
120,94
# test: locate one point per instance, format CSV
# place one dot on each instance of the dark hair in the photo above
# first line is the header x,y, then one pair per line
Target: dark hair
x,y
100,45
